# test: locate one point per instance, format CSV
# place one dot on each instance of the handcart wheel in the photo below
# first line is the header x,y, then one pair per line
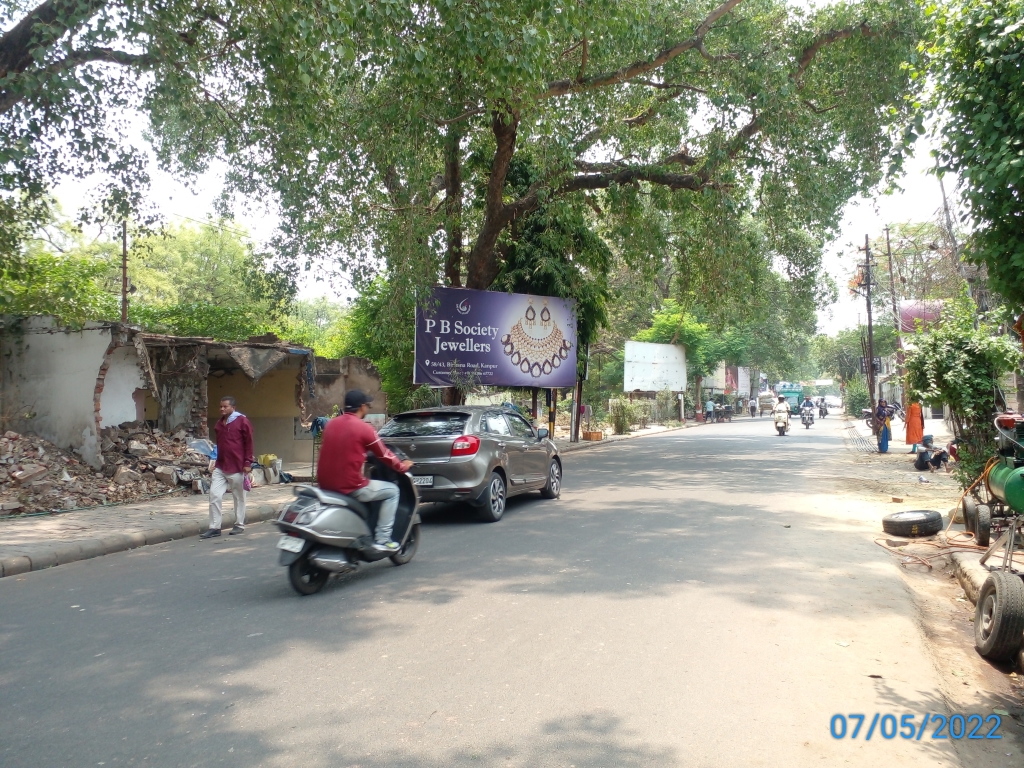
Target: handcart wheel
x,y
983,530
999,616
970,507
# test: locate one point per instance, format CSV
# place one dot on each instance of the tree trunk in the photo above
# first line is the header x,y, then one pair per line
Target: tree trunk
x,y
453,208
483,263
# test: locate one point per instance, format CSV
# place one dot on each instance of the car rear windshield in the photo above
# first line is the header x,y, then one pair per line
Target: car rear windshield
x,y
425,425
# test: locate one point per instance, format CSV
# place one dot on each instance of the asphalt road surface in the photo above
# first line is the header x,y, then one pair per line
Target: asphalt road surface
x,y
701,598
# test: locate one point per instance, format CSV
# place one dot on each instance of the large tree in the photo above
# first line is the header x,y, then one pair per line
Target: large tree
x,y
663,117
972,60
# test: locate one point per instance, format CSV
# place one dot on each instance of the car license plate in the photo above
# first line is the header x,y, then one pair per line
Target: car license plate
x,y
423,480
290,543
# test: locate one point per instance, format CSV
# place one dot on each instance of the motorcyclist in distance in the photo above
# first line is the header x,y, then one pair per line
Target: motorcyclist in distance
x,y
807,403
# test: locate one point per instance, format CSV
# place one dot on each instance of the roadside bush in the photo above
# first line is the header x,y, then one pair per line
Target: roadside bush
x,y
642,410
622,415
666,406
857,397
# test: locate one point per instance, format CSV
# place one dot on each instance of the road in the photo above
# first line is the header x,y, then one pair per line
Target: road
x,y
699,598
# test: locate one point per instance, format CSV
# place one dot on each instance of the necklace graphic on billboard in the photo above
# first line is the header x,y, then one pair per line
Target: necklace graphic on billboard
x,y
536,348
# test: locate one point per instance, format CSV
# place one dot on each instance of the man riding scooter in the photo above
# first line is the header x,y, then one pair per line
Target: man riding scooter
x,y
780,414
346,440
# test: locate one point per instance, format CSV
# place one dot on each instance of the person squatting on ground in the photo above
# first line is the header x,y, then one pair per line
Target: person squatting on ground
x,y
346,440
234,463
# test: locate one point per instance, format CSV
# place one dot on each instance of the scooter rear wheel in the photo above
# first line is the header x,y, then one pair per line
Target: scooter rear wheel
x,y
306,578
412,543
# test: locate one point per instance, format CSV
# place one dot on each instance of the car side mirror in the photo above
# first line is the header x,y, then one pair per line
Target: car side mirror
x,y
542,433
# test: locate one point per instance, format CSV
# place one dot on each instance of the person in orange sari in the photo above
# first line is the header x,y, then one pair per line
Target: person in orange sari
x,y
915,423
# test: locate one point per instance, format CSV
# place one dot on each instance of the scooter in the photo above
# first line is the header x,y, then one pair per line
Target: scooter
x,y
807,417
823,410
328,533
782,422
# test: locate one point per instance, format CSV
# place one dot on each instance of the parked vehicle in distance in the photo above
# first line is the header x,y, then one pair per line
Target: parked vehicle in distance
x,y
473,453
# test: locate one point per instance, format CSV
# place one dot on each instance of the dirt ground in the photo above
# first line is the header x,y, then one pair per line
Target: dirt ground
x,y
970,682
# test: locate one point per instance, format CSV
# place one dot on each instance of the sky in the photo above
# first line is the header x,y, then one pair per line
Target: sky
x,y
919,200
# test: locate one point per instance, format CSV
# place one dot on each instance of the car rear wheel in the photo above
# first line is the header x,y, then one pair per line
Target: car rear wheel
x,y
493,500
553,488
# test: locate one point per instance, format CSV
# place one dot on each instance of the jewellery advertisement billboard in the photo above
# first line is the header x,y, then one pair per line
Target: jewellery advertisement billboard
x,y
495,339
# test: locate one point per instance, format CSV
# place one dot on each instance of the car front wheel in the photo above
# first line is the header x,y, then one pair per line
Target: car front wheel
x,y
553,487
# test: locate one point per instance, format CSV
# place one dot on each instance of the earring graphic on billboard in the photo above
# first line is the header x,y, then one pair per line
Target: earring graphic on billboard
x,y
532,349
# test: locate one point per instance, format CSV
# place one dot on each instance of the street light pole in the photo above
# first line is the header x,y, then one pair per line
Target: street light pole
x,y
897,325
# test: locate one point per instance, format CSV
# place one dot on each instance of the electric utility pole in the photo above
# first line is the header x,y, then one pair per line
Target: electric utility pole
x,y
897,325
124,271
866,267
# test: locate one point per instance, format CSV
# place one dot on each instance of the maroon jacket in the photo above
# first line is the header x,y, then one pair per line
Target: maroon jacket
x,y
234,445
343,449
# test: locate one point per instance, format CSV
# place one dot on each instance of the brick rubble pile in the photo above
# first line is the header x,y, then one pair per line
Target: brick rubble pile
x,y
37,476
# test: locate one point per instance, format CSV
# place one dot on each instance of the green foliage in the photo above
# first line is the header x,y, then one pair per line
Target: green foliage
x,y
839,356
66,286
320,325
622,414
959,366
857,397
377,328
972,61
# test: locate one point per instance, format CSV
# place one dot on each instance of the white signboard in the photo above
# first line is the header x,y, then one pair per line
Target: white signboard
x,y
743,381
654,367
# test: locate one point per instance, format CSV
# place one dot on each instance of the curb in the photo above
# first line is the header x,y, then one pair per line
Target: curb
x,y
584,444
86,549
970,573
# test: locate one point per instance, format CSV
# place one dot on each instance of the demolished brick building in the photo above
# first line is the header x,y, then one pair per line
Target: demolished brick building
x,y
67,385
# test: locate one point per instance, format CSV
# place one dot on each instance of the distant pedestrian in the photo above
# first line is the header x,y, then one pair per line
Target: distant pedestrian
x,y
752,406
709,411
234,466
884,426
915,424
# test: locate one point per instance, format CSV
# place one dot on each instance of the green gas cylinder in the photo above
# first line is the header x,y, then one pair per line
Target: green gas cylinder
x,y
1006,481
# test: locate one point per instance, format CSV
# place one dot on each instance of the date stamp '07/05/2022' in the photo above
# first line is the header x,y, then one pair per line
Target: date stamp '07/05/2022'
x,y
907,727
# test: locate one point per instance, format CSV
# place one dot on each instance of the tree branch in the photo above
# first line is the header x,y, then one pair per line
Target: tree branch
x,y
827,38
562,87
41,28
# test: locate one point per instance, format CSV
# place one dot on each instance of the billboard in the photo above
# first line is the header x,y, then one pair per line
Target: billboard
x,y
495,339
654,367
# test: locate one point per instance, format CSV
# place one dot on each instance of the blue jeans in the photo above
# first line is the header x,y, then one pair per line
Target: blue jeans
x,y
387,494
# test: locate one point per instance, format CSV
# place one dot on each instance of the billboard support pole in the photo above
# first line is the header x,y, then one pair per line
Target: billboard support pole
x,y
577,399
533,411
551,412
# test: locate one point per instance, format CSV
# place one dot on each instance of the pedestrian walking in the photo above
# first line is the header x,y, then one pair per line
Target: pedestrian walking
x,y
915,424
233,468
752,405
709,411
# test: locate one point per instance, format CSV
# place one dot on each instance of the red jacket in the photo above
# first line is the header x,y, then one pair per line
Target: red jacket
x,y
343,449
234,445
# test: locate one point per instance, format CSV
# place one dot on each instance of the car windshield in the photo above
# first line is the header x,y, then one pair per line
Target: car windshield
x,y
425,425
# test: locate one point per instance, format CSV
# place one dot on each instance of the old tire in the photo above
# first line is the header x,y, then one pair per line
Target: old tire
x,y
999,616
493,500
306,578
913,522
408,551
970,509
553,487
983,527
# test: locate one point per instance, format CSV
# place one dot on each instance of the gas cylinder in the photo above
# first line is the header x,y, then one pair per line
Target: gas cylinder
x,y
1006,482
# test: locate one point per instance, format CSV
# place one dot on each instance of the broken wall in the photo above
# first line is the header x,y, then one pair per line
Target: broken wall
x,y
123,378
335,377
52,381
270,404
181,372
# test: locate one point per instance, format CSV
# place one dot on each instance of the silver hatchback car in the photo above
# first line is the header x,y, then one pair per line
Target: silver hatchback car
x,y
478,454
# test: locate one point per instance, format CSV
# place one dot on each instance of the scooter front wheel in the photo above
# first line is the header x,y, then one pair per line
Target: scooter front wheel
x,y
306,578
782,431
